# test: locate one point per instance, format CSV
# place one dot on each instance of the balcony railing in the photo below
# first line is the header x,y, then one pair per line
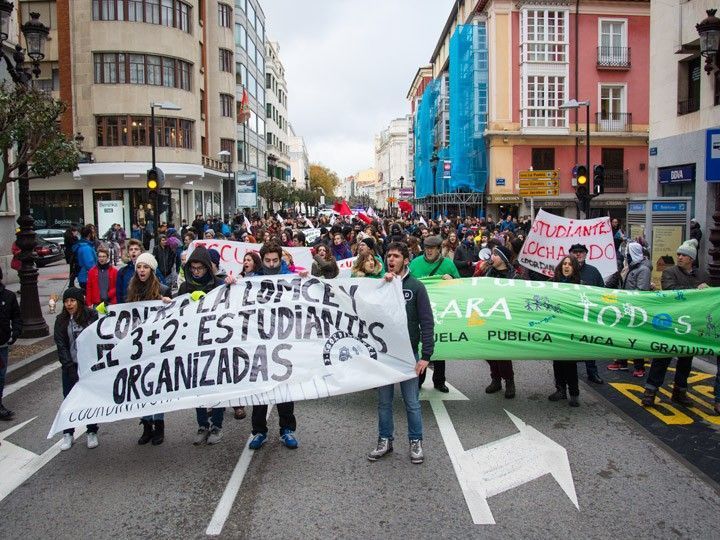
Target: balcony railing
x,y
613,57
616,180
613,121
214,164
686,106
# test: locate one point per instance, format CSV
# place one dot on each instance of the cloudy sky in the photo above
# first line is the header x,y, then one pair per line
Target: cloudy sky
x,y
349,65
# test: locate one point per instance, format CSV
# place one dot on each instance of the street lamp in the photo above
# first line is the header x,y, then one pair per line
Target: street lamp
x,y
226,157
163,106
709,30
434,159
575,104
36,34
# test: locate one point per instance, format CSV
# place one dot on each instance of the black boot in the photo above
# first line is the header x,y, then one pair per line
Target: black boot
x,y
158,432
559,394
679,395
147,432
509,389
6,414
648,399
494,386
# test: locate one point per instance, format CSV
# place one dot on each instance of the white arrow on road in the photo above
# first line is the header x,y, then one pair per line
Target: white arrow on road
x,y
18,464
501,465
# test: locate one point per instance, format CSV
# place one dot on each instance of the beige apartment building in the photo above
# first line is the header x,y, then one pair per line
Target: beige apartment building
x,y
109,60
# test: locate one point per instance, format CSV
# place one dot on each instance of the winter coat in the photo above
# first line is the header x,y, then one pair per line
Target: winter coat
x,y
10,319
165,258
589,275
199,255
92,290
85,257
638,277
341,252
62,340
675,278
465,258
327,269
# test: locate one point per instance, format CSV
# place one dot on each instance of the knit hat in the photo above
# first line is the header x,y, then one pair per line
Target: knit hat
x,y
369,242
504,253
76,293
214,256
578,247
148,259
635,251
689,248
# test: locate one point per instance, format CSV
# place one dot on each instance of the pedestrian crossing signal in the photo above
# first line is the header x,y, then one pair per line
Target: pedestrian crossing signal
x,y
599,180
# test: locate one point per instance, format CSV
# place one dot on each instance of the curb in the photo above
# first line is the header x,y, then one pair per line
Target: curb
x,y
18,370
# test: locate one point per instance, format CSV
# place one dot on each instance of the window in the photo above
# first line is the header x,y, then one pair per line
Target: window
x,y
224,15
171,13
268,81
172,132
251,13
241,3
543,159
612,115
252,86
544,35
251,49
228,145
544,94
613,43
202,101
226,60
689,74
120,68
269,111
227,104
240,36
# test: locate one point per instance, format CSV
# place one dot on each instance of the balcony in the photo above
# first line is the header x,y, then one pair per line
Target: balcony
x,y
616,180
687,106
616,58
214,164
613,121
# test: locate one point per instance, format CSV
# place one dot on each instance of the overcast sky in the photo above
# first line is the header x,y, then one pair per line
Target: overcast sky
x,y
349,65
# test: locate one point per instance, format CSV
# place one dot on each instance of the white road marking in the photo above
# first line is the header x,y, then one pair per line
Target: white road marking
x,y
34,376
222,511
500,465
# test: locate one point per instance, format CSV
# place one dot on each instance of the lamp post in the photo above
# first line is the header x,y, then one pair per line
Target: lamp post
x,y
226,157
575,104
434,159
163,106
709,31
36,35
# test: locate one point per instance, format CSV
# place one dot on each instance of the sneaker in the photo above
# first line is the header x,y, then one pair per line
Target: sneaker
x,y
558,395
383,448
202,436
67,442
416,452
574,401
92,440
288,439
6,414
639,373
215,435
257,441
617,366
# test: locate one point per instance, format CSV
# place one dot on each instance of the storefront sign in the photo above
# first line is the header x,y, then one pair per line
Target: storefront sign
x,y
677,174
109,213
246,186
501,198
712,155
674,207
499,181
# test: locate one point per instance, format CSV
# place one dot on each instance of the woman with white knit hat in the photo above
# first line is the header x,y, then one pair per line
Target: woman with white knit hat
x,y
145,285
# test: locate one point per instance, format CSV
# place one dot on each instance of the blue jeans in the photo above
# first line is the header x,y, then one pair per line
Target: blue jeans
x,y
217,417
410,394
3,369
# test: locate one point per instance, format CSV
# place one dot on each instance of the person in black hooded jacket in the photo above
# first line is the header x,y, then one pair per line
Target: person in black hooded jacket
x,y
10,328
199,276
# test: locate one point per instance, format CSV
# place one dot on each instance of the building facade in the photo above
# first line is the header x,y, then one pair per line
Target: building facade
x,y
685,105
391,161
422,78
299,160
278,149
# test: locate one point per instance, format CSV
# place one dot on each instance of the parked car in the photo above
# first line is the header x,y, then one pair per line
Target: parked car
x,y
53,235
48,252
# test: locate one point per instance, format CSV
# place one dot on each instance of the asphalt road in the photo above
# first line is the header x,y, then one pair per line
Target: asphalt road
x,y
627,485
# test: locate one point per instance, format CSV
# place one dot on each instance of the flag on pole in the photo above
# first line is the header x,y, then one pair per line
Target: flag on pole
x,y
246,223
422,221
342,208
243,108
279,218
332,220
364,218
371,212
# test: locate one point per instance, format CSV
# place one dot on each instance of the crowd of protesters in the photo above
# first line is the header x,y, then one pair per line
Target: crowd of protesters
x,y
407,247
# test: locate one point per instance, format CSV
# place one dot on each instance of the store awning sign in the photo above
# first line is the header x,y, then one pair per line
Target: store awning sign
x,y
677,174
712,155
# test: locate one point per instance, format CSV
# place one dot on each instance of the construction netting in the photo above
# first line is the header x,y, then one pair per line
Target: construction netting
x,y
468,108
424,143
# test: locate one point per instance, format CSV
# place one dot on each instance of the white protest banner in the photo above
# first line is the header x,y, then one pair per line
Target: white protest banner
x,y
345,266
262,341
311,235
551,236
232,253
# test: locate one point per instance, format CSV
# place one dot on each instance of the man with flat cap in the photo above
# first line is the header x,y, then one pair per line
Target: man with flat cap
x,y
432,263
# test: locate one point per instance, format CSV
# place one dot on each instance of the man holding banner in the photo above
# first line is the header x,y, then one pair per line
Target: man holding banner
x,y
421,327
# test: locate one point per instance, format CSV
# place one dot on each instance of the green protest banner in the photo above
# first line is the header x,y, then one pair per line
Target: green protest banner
x,y
499,319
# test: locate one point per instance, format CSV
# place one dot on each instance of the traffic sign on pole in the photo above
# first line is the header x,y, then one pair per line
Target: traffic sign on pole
x,y
552,192
538,175
532,184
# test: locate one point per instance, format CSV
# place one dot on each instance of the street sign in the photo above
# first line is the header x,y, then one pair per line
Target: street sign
x,y
406,193
533,184
531,175
447,169
551,192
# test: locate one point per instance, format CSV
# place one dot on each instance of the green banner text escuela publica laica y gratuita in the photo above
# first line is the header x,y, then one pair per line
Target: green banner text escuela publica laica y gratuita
x,y
500,319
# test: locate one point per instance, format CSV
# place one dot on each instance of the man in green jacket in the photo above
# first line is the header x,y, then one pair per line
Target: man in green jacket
x,y
432,263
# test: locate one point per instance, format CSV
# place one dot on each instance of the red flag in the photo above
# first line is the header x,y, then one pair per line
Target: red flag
x,y
342,208
362,216
243,108
405,207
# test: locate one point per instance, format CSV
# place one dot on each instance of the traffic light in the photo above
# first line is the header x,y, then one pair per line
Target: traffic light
x,y
155,180
581,189
598,180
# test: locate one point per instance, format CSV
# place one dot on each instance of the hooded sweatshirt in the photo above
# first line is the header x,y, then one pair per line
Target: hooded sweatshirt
x,y
207,282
